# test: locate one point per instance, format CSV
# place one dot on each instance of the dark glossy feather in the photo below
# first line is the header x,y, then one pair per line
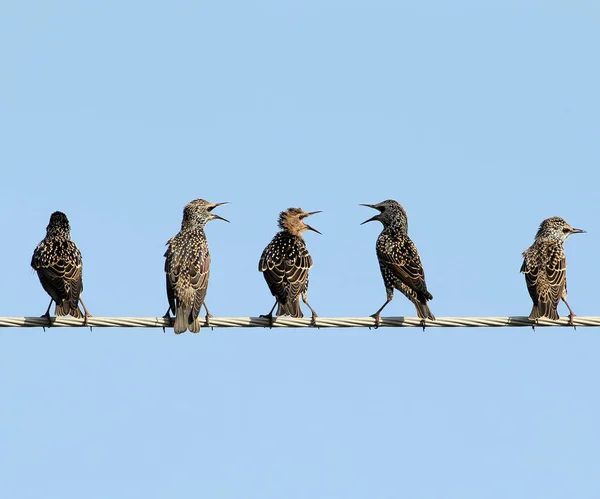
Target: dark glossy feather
x,y
285,263
398,256
187,268
545,266
59,266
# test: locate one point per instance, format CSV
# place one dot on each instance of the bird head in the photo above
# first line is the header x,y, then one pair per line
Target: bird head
x,y
391,214
199,212
556,228
59,224
292,221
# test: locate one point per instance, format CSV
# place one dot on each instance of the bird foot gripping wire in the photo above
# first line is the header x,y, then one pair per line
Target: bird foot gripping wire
x,y
169,318
268,316
47,316
207,318
377,318
85,320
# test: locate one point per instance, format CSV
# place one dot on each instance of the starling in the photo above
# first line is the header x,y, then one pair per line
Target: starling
x,y
545,269
187,266
285,263
58,264
399,260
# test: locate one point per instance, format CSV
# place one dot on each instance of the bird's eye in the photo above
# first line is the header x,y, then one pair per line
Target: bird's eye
x,y
565,230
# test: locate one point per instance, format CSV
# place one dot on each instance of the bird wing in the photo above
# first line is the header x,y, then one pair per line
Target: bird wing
x,y
399,254
285,267
187,269
545,269
59,266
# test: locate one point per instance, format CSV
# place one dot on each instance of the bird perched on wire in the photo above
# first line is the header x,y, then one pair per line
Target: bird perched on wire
x,y
545,269
285,263
399,260
187,266
59,266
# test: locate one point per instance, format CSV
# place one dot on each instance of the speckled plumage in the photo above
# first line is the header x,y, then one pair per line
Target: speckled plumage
x,y
285,263
59,266
399,259
187,266
545,269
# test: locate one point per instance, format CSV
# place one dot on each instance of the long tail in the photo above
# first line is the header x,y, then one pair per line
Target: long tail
x,y
423,310
65,308
291,308
184,321
543,309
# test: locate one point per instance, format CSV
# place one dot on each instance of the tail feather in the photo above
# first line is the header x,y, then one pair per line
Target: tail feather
x,y
423,310
544,310
184,321
65,308
194,327
180,325
291,308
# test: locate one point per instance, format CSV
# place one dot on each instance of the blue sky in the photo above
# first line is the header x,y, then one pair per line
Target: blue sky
x,y
481,118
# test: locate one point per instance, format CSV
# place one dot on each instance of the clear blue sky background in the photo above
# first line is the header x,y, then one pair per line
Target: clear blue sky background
x,y
481,118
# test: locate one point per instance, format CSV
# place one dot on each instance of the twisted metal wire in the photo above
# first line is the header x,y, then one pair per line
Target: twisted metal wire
x,y
321,322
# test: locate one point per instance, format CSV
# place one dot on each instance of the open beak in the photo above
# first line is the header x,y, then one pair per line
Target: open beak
x,y
372,219
214,215
308,226
578,231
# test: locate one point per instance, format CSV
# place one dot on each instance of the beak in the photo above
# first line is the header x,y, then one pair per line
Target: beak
x,y
578,231
217,204
214,215
376,217
372,219
310,228
313,213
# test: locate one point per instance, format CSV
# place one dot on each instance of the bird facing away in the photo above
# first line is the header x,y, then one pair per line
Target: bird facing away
x,y
58,264
399,260
187,266
285,263
545,269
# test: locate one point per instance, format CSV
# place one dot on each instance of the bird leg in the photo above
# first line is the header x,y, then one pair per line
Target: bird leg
x,y
167,316
208,315
47,314
571,313
86,314
270,315
377,315
313,321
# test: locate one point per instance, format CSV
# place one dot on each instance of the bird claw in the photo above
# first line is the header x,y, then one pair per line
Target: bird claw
x,y
169,318
571,323
85,319
423,324
377,320
313,321
47,316
270,317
